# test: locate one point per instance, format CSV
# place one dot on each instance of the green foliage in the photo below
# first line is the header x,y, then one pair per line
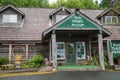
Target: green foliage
x,y
37,59
83,4
4,60
25,65
106,59
34,62
105,4
95,60
25,3
117,7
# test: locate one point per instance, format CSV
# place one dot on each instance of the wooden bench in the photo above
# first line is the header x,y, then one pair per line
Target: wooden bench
x,y
3,67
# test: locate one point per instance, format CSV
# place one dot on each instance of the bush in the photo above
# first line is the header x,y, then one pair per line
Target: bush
x,y
34,62
24,65
37,59
95,60
106,59
4,60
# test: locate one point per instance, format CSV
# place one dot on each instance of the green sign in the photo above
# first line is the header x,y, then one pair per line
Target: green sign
x,y
78,21
115,48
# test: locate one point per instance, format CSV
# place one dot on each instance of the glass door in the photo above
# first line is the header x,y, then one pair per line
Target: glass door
x,y
70,54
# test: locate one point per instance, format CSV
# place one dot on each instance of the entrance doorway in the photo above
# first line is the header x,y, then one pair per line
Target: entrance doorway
x,y
70,54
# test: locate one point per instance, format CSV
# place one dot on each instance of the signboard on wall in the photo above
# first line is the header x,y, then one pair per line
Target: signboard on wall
x,y
78,21
60,50
114,47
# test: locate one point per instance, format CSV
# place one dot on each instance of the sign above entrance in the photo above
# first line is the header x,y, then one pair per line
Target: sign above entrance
x,y
78,21
115,48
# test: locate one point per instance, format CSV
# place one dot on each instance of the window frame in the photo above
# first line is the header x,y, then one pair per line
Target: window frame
x,y
10,18
111,19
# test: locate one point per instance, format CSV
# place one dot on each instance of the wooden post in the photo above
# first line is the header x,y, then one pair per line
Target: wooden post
x,y
101,54
26,51
50,50
110,55
90,48
10,52
54,50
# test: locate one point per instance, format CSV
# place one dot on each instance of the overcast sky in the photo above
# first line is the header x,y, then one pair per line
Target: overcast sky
x,y
51,1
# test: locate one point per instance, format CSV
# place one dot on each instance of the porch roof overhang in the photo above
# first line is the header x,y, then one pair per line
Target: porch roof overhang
x,y
89,25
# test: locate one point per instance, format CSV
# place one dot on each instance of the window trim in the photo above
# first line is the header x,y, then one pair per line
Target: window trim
x,y
111,19
9,18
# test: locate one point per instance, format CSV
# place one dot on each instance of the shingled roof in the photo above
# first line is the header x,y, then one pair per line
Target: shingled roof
x,y
37,21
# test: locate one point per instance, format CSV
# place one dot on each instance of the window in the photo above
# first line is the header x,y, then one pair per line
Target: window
x,y
60,17
9,18
111,20
80,49
60,50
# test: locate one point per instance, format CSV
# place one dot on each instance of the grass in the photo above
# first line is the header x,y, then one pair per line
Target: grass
x,y
77,66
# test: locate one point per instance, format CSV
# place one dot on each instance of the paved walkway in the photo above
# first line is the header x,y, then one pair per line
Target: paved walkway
x,y
69,75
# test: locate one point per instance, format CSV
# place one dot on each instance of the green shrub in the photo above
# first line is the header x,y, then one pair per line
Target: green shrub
x,y
95,60
106,59
4,60
34,62
37,59
24,65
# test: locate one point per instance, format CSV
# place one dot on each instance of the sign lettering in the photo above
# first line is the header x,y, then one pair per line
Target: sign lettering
x,y
77,22
115,48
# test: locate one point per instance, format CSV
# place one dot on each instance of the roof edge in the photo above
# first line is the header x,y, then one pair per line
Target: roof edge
x,y
106,11
11,6
58,9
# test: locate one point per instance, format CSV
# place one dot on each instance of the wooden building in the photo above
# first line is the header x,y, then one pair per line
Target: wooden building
x,y
63,35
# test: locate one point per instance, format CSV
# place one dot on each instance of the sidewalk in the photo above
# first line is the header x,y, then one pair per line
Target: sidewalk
x,y
30,71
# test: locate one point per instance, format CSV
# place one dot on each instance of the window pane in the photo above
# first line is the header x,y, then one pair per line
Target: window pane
x,y
5,18
111,19
114,19
60,17
80,50
13,18
60,50
9,18
70,48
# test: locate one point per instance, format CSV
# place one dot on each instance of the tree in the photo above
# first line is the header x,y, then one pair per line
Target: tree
x,y
25,3
105,4
58,3
117,7
84,4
